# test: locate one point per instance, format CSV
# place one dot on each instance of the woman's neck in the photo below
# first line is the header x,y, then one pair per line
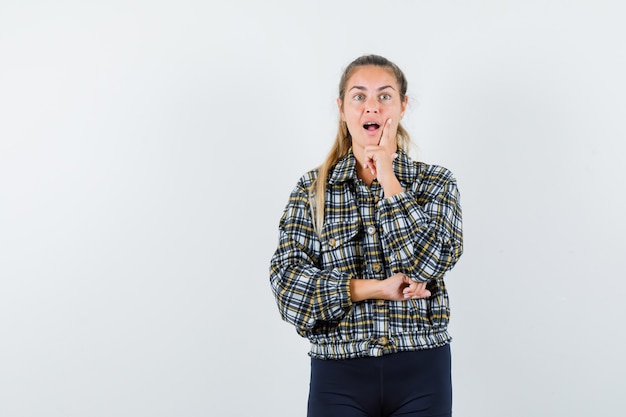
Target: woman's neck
x,y
364,174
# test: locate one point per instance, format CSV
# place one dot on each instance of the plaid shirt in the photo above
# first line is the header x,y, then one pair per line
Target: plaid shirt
x,y
417,232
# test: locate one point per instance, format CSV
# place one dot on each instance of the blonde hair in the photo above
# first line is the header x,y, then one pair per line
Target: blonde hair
x,y
343,140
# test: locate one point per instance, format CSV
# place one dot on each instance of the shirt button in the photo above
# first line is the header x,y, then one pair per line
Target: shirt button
x,y
332,241
376,200
377,267
371,230
380,302
383,341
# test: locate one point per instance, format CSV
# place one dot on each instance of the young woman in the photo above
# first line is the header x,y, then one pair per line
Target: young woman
x,y
365,241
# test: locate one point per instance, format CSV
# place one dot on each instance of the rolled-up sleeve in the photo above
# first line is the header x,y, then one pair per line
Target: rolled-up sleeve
x,y
422,227
305,294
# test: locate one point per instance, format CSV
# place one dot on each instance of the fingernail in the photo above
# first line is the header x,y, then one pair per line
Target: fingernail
x,y
395,155
389,121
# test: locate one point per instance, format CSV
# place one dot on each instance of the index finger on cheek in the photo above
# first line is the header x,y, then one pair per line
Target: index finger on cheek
x,y
385,134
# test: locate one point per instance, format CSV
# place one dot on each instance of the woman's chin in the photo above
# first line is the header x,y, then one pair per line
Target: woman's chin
x,y
366,140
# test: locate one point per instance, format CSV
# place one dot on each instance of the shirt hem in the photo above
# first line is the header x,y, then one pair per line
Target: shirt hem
x,y
378,346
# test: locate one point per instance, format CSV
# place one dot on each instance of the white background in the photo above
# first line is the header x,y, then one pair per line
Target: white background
x,y
147,149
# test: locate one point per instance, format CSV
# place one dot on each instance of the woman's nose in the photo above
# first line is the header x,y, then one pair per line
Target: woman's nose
x,y
371,106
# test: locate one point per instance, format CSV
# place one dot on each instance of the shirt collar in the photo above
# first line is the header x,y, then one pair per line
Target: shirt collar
x,y
345,170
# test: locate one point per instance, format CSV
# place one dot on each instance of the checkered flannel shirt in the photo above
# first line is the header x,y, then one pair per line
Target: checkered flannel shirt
x,y
417,232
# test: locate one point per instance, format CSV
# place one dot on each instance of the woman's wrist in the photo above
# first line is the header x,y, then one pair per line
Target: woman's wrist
x,y
363,289
394,187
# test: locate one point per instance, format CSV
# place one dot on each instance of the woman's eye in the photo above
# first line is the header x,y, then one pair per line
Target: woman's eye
x,y
385,97
358,97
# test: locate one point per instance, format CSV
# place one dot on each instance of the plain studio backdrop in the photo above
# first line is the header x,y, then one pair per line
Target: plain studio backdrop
x,y
147,150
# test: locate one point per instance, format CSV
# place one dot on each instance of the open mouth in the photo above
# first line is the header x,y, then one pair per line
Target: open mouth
x,y
371,126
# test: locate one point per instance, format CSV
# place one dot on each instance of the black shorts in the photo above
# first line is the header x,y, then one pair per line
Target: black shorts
x,y
399,384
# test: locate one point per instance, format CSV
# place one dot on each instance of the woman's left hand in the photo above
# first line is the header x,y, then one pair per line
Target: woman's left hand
x,y
415,289
379,159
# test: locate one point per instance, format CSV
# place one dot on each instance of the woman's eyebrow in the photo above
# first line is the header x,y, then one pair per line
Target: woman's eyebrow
x,y
359,87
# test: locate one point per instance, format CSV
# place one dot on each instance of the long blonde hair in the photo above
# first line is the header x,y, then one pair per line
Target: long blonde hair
x,y
343,140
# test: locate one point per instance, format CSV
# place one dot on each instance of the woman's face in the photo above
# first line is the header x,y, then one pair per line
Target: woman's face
x,y
372,97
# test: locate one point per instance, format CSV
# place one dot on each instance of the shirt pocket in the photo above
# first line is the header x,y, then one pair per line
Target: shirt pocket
x,y
340,246
419,314
408,316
